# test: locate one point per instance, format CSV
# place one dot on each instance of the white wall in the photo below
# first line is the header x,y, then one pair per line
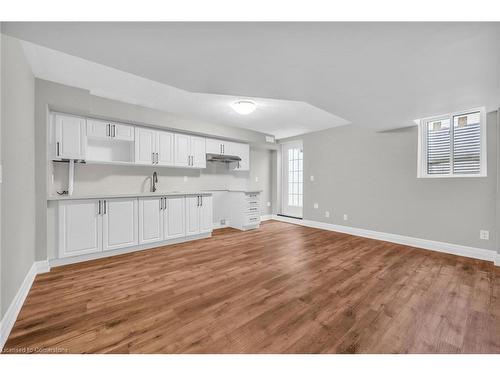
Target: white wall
x,y
18,186
372,177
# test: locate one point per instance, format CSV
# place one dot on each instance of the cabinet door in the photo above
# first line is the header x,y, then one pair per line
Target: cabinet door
x,y
243,151
181,150
119,223
144,145
174,217
98,128
123,132
165,148
206,214
70,137
150,220
192,215
80,228
198,152
213,146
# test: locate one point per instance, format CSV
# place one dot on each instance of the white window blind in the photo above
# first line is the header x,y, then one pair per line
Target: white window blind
x,y
453,145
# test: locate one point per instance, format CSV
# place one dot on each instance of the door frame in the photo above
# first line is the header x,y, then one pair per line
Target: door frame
x,y
285,209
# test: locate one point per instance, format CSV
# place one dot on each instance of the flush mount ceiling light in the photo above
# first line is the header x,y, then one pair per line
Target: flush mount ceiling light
x,y
244,107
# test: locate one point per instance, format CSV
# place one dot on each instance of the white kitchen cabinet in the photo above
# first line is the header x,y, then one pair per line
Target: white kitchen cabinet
x,y
100,129
199,214
216,146
122,132
154,147
198,152
174,217
182,150
69,137
164,148
190,151
145,139
243,151
150,220
80,228
120,226
206,214
192,215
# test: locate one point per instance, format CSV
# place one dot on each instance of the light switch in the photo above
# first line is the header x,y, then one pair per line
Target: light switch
x,y
311,178
316,205
256,179
185,178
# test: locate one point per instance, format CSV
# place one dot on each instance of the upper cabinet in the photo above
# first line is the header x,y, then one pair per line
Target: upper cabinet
x,y
190,151
109,130
68,137
154,147
99,141
243,151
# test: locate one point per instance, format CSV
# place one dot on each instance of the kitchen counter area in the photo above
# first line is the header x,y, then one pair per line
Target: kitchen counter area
x,y
127,195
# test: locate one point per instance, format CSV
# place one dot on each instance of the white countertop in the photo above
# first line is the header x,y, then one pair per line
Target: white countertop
x,y
126,195
147,194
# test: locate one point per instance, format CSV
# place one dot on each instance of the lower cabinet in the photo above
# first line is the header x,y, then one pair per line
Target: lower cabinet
x,y
199,214
80,228
161,218
119,223
93,225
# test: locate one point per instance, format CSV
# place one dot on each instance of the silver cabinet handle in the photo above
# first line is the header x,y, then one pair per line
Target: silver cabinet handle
x,y
114,131
105,208
201,200
57,148
165,203
152,157
108,130
198,201
223,148
99,208
157,158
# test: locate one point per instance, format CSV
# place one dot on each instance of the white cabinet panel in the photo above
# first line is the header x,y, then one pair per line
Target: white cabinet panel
x,y
144,145
192,215
206,214
165,148
150,220
182,148
122,132
198,152
174,217
98,128
70,137
243,151
119,223
214,146
80,228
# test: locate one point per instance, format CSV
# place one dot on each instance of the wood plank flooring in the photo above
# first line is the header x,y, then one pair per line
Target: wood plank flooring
x,y
280,289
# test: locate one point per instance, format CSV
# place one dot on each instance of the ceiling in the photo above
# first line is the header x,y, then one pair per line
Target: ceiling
x,y
313,75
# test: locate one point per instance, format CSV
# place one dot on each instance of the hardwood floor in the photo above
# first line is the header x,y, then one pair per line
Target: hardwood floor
x,y
280,289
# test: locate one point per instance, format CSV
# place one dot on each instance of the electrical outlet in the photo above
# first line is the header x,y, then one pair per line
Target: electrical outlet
x,y
484,234
327,213
316,205
256,179
345,217
268,204
185,178
311,178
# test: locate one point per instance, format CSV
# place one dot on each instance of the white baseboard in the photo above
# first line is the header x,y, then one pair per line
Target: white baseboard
x,y
266,217
12,312
443,247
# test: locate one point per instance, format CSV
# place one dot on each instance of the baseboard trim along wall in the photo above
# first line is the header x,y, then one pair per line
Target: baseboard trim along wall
x,y
443,247
17,303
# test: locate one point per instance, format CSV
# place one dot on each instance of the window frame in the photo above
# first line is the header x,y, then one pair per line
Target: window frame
x,y
422,145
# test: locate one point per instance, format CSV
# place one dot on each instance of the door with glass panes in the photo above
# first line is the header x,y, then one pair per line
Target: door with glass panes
x,y
292,167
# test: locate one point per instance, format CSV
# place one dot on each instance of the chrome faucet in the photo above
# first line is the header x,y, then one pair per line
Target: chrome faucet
x,y
154,181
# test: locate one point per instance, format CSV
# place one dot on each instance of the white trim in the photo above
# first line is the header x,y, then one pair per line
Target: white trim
x,y
443,247
497,260
266,217
15,306
422,145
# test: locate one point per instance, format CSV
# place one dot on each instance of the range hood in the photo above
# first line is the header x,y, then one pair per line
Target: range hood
x,y
223,158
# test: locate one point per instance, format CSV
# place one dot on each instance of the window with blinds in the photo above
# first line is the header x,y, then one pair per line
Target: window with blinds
x,y
453,145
